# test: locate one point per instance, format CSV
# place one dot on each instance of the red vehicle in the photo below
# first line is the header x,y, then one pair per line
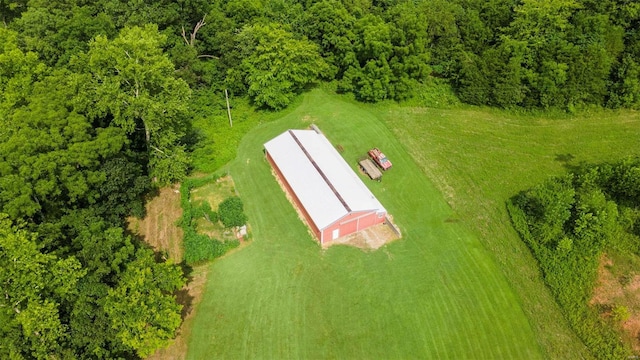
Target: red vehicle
x,y
379,158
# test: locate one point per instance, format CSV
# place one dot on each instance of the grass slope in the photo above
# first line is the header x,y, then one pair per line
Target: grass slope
x,y
437,293
480,158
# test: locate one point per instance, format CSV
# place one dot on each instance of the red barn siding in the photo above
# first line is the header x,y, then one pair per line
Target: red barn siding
x,y
351,223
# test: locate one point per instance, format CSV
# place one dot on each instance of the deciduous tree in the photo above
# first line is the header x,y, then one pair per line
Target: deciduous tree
x,y
275,65
141,307
51,158
135,85
34,285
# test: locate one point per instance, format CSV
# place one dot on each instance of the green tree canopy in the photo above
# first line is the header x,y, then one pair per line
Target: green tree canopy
x,y
275,65
51,158
35,285
134,84
141,307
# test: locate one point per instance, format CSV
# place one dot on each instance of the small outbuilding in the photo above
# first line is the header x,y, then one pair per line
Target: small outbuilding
x,y
328,193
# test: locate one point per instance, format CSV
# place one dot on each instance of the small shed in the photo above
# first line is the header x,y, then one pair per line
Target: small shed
x,y
327,192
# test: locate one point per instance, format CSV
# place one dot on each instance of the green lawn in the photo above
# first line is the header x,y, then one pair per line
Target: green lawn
x,y
436,293
480,158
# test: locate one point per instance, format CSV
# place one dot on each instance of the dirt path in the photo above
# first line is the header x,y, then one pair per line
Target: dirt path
x,y
159,227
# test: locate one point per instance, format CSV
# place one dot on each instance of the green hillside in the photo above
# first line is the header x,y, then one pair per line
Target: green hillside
x,y
479,158
437,293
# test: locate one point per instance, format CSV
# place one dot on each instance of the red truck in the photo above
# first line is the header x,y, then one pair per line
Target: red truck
x,y
379,158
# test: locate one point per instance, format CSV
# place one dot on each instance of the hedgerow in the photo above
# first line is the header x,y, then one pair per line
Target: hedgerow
x,y
568,223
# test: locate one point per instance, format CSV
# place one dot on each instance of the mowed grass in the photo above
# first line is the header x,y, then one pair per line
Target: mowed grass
x,y
436,293
480,158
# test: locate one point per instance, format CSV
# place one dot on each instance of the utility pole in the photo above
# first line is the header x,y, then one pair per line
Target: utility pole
x,y
226,95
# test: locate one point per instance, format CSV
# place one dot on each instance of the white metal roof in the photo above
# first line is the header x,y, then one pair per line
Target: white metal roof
x,y
295,152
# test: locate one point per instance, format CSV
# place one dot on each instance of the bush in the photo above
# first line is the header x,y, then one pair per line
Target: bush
x,y
567,223
204,210
620,313
231,212
199,247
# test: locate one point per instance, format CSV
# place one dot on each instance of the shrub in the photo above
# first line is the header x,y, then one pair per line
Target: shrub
x,y
231,212
204,210
199,247
620,313
568,222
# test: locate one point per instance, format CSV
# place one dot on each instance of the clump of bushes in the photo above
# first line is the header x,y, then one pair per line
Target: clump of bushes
x,y
204,211
568,222
231,212
200,247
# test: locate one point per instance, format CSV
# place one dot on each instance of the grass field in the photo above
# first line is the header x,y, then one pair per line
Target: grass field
x,y
480,158
436,293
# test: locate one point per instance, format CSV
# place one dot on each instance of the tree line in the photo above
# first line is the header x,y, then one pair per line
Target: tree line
x,y
92,118
509,53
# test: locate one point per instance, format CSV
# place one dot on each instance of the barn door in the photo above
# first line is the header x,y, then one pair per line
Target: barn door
x,y
336,234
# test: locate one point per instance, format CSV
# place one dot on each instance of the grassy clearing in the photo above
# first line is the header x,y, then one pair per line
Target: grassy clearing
x,y
480,158
214,193
219,141
437,293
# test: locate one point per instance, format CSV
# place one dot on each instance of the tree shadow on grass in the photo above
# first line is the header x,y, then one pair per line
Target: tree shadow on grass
x,y
567,161
183,296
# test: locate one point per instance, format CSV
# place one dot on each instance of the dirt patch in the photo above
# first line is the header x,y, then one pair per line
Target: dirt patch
x,y
189,297
613,291
607,286
370,238
159,227
308,119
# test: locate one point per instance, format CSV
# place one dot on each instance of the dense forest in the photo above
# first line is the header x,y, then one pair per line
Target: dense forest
x,y
96,109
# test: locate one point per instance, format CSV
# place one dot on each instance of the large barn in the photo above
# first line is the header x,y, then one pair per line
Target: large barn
x,y
327,192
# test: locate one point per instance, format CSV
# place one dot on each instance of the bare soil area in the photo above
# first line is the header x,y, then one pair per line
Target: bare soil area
x,y
613,291
370,238
159,227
